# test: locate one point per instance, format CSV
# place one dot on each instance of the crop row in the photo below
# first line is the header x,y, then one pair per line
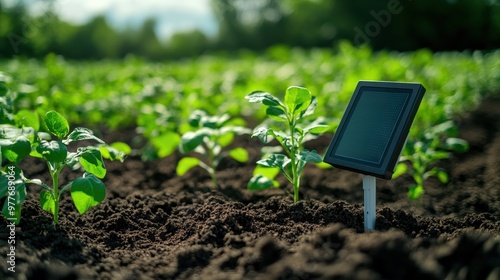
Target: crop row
x,y
171,102
99,92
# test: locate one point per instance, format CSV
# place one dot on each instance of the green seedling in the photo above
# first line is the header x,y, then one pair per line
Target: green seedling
x,y
210,136
159,125
86,191
296,128
422,155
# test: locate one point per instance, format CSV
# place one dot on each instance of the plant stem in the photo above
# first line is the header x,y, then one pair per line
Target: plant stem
x,y
296,183
295,175
214,179
56,197
212,161
210,171
55,192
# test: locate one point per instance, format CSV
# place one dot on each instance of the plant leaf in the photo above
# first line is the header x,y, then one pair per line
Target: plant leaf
x,y
44,136
87,192
447,128
306,157
437,155
185,164
53,151
324,165
316,128
81,133
17,150
281,137
9,132
310,156
57,124
213,122
27,118
438,173
269,172
457,145
47,201
442,176
195,118
166,143
191,140
6,116
401,168
276,113
5,145
29,133
122,147
91,160
221,120
72,160
415,191
259,182
297,99
239,154
311,108
262,133
417,178
277,160
264,98
3,89
115,151
225,139
4,184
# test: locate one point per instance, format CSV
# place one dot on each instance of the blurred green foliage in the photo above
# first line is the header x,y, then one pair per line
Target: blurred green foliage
x,y
158,98
401,25
155,95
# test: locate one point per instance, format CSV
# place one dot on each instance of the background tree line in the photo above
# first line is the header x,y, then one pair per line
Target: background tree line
x,y
401,25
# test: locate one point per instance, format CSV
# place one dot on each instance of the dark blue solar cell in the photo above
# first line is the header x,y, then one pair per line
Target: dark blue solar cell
x,y
374,127
371,125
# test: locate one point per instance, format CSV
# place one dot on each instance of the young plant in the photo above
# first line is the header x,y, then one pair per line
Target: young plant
x,y
292,114
436,144
159,125
86,191
211,134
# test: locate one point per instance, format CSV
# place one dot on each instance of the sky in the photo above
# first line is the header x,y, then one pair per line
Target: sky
x,y
172,15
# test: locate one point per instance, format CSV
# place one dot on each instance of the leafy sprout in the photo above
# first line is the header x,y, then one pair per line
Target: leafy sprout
x,y
18,143
437,144
292,114
208,140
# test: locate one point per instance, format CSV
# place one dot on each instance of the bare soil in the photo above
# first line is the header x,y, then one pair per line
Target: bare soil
x,y
155,225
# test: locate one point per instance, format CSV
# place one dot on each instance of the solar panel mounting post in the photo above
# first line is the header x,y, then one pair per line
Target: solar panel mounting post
x,y
369,190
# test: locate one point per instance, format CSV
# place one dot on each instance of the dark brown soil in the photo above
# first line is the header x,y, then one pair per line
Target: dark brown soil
x,y
155,225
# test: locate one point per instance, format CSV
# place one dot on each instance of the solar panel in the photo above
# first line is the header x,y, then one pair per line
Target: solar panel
x,y
374,127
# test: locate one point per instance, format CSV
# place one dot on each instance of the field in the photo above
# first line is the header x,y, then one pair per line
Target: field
x,y
155,224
